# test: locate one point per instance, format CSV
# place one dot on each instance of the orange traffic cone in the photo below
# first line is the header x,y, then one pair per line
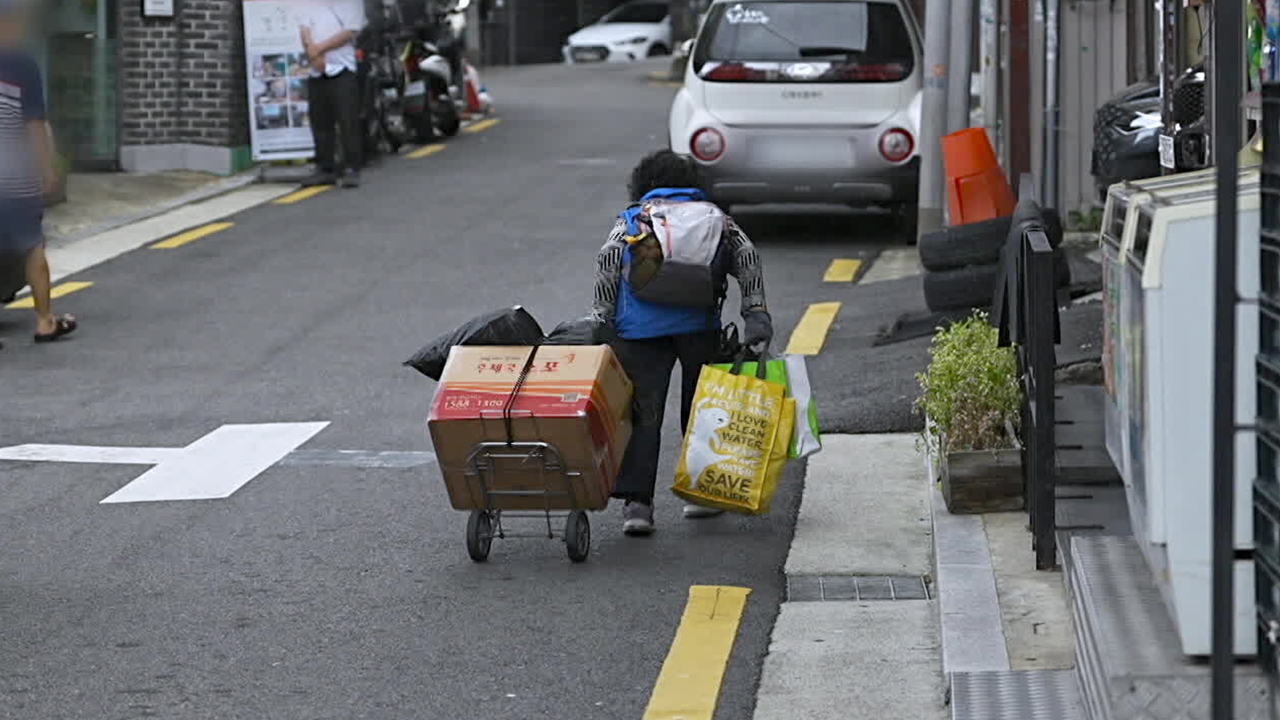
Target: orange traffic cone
x,y
977,189
474,107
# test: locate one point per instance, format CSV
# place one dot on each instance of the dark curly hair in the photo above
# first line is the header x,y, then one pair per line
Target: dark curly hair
x,y
664,169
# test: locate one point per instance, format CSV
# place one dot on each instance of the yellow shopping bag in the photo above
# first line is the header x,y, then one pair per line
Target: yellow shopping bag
x,y
736,444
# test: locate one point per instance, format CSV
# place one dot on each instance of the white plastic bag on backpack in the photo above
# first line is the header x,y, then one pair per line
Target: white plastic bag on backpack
x,y
678,249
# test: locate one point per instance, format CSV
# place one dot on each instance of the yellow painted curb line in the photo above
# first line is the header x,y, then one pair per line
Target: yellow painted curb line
x,y
481,126
842,270
688,685
60,290
301,195
191,235
811,332
425,151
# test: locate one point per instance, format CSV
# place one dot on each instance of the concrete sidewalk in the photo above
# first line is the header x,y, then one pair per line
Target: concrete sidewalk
x,y
858,635
99,202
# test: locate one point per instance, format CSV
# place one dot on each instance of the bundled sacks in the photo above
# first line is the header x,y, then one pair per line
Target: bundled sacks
x,y
512,327
509,326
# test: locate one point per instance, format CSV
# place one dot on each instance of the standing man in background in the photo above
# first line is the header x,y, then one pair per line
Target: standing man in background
x,y
329,42
26,167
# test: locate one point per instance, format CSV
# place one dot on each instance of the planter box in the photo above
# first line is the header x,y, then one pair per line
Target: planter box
x,y
982,481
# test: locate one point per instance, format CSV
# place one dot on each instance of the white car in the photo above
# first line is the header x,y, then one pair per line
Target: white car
x,y
633,31
804,101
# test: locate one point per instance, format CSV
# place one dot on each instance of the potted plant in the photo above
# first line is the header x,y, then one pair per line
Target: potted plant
x,y
971,398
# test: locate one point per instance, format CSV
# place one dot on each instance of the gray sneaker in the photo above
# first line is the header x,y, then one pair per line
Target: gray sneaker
x,y
701,511
637,519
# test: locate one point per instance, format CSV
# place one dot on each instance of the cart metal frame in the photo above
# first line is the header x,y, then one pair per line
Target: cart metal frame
x,y
558,481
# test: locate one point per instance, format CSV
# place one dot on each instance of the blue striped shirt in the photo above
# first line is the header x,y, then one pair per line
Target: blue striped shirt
x,y
21,103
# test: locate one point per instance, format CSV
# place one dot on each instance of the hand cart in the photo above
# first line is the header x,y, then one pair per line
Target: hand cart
x,y
557,486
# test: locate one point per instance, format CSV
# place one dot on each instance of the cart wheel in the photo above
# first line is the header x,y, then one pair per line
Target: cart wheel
x,y
479,535
577,535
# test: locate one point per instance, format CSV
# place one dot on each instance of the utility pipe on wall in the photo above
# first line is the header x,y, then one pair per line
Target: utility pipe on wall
x,y
933,113
1049,183
989,46
958,72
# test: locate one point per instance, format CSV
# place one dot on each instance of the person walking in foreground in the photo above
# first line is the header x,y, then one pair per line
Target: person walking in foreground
x,y
333,92
650,337
26,168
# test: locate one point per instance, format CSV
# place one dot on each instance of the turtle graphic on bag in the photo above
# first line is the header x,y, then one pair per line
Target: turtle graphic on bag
x,y
675,257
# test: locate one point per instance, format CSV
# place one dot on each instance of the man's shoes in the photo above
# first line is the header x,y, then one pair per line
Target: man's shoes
x,y
637,518
701,511
350,179
318,178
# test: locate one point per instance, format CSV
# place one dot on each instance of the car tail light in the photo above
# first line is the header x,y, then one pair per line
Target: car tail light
x,y
734,72
891,72
359,55
896,145
707,144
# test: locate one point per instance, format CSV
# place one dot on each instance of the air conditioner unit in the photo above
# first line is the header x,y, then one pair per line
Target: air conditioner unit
x,y
1169,332
1115,218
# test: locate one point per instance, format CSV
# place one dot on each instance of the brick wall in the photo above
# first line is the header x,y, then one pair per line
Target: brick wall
x,y
183,79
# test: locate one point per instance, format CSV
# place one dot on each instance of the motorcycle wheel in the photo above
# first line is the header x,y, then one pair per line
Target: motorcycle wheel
x,y
447,119
393,126
422,129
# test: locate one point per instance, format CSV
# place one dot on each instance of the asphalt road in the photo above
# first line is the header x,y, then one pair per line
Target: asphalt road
x,y
341,592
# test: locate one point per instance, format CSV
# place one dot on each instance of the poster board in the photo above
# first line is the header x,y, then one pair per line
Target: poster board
x,y
279,114
157,8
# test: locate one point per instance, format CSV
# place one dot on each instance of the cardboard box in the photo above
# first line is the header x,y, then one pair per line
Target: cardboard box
x,y
575,398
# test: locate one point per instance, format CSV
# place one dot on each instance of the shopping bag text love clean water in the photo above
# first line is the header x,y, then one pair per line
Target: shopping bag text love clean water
x,y
736,442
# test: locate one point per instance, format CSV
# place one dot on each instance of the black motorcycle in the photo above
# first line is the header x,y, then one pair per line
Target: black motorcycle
x,y
382,89
431,57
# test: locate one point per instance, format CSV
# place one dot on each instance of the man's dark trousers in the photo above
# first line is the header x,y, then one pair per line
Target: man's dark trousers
x,y
335,118
649,364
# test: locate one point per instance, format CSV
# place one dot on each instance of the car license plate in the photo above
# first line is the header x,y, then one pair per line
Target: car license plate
x,y
588,55
418,87
833,153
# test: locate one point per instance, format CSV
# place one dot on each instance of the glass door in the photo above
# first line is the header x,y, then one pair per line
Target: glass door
x,y
80,67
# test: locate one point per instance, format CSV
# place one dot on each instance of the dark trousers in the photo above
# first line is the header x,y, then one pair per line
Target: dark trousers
x,y
335,118
649,364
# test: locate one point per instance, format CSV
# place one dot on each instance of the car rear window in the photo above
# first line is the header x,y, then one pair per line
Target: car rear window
x,y
789,41
638,13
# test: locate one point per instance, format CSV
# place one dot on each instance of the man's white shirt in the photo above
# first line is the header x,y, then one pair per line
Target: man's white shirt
x,y
328,18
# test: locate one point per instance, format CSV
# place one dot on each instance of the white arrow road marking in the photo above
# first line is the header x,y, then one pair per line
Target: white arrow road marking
x,y
89,454
218,464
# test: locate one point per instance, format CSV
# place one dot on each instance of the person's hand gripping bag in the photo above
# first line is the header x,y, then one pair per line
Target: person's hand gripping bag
x,y
737,441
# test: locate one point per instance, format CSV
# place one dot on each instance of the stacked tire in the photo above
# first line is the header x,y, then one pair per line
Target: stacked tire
x,y
962,263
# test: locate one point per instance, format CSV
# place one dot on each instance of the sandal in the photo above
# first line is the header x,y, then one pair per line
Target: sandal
x,y
64,325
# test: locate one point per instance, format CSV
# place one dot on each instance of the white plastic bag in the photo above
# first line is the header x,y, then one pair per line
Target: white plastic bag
x,y
805,440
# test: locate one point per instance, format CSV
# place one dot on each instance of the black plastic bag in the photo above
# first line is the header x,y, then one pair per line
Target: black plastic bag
x,y
583,331
509,326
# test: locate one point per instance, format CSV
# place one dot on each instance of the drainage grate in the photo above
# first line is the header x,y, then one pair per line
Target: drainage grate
x,y
811,588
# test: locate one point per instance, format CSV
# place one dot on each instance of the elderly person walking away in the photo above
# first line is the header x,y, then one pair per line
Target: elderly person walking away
x,y
653,334
26,167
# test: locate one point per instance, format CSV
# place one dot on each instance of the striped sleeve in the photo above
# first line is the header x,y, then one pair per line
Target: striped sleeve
x,y
608,274
745,265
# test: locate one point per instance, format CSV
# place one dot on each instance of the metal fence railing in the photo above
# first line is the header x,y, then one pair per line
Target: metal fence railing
x,y
1025,311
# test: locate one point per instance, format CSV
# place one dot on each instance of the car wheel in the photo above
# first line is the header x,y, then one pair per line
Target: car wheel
x,y
659,50
966,287
906,217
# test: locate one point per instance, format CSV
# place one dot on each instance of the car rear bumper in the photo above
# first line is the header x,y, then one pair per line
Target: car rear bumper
x,y
808,165
587,54
888,185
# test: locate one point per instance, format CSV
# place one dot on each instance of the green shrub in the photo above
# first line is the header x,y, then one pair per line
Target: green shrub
x,y
971,390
